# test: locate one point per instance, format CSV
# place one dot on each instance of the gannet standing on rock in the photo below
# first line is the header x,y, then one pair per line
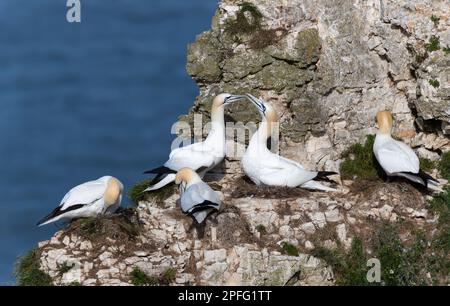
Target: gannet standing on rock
x,y
396,158
201,156
198,200
99,197
266,168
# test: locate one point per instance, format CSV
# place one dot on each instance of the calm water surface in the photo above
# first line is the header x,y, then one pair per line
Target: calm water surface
x,y
79,101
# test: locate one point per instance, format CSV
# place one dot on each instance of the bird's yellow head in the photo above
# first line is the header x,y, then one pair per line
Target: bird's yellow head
x,y
268,113
186,175
114,189
385,121
224,99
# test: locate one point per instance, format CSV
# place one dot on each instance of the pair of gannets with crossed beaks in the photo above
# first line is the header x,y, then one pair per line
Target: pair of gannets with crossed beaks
x,y
201,156
266,168
91,199
396,158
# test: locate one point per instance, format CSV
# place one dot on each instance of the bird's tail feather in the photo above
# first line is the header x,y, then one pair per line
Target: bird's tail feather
x,y
427,178
165,181
323,176
160,170
422,178
317,186
50,217
57,214
325,173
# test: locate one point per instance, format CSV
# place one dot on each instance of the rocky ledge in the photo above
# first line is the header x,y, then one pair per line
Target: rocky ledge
x,y
327,67
261,237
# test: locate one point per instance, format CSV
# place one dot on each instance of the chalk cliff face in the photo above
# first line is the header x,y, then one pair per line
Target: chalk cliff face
x,y
327,67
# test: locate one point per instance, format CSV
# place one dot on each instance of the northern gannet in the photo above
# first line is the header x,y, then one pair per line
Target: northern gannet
x,y
395,157
201,156
266,168
93,198
198,200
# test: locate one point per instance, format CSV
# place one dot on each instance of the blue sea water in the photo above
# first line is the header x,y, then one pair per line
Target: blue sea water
x,y
79,101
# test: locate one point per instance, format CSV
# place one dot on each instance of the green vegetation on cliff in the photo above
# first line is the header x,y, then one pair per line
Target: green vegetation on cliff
x,y
140,278
359,162
27,271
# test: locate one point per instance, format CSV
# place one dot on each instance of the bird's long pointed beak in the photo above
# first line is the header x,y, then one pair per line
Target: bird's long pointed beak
x,y
235,98
258,102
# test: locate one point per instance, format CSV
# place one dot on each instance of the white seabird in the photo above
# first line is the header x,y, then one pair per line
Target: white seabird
x,y
93,198
201,156
198,200
266,168
396,158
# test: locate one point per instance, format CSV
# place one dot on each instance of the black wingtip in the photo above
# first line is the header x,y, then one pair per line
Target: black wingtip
x,y
160,170
326,173
426,177
323,176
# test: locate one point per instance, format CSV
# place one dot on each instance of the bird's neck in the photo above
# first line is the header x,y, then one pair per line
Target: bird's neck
x,y
259,140
194,180
384,134
217,132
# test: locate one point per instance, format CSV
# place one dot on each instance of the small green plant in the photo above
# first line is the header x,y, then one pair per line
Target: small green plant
x,y
28,273
421,57
433,44
64,268
289,249
242,24
434,83
74,284
444,165
136,192
140,278
440,205
168,276
435,20
426,164
446,50
261,229
349,267
359,161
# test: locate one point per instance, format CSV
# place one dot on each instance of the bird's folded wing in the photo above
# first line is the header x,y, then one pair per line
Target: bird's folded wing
x,y
274,164
192,158
291,162
397,157
199,194
84,194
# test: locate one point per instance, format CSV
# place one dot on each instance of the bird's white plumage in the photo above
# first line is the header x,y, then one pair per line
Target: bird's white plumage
x,y
266,168
194,156
203,155
395,156
88,200
199,195
86,193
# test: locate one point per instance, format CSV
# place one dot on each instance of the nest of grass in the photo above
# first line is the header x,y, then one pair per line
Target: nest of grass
x,y
122,226
233,228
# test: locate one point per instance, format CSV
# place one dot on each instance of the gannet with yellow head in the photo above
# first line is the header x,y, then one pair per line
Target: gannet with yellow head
x,y
201,156
100,197
266,168
198,200
395,157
